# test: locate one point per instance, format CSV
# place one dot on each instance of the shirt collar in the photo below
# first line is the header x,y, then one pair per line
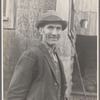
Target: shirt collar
x,y
50,50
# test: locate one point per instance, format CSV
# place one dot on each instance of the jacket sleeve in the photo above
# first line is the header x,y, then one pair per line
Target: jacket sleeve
x,y
22,78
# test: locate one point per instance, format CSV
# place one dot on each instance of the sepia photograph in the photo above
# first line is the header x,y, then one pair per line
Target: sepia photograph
x,y
50,50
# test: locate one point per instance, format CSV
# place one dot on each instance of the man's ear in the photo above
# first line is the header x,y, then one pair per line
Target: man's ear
x,y
41,30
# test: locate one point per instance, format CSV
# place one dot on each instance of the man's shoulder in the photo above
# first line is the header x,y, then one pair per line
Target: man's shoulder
x,y
35,51
32,51
30,54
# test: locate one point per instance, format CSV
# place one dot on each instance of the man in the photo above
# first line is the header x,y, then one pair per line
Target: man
x,y
39,73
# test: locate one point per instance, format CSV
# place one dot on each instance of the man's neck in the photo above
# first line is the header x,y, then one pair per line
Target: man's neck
x,y
50,47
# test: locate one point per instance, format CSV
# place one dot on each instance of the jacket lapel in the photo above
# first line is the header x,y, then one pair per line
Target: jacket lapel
x,y
63,78
48,58
52,67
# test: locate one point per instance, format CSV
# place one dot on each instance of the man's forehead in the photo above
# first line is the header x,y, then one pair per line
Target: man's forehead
x,y
53,24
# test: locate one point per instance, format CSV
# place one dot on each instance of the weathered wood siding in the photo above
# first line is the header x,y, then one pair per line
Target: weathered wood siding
x,y
86,9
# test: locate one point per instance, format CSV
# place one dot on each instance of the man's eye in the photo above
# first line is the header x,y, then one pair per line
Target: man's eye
x,y
50,27
59,28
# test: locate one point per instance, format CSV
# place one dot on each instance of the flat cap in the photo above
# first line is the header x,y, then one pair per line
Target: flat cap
x,y
50,17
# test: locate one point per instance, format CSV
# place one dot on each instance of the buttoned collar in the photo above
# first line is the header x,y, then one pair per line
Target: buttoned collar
x,y
50,50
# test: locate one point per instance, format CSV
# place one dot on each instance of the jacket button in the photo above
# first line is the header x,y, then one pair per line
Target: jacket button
x,y
55,83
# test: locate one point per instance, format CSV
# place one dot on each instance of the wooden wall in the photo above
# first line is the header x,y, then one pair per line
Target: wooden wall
x,y
84,9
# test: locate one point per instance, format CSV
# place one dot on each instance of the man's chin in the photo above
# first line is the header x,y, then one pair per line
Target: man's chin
x,y
52,43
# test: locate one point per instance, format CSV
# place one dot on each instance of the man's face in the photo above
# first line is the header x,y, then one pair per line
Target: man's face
x,y
51,33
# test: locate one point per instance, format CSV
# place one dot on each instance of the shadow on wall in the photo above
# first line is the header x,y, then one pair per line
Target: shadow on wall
x,y
86,47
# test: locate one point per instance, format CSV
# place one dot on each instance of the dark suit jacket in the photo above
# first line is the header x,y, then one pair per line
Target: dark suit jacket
x,y
34,77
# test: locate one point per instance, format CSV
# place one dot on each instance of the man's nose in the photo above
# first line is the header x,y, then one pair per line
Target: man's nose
x,y
54,32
